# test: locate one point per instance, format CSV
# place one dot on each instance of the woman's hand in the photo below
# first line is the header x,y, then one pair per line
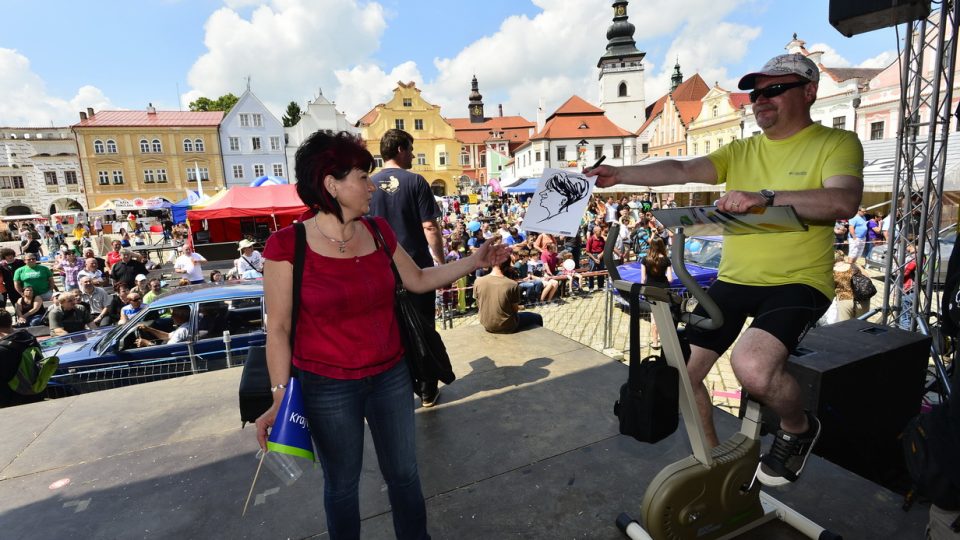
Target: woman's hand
x,y
491,253
265,422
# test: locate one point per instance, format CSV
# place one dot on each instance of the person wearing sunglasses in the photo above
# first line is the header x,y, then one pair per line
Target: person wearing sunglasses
x,y
783,280
35,275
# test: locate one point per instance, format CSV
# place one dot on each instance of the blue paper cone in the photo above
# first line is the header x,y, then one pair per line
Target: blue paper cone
x,y
290,433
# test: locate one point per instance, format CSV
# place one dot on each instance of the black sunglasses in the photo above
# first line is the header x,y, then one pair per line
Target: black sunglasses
x,y
774,90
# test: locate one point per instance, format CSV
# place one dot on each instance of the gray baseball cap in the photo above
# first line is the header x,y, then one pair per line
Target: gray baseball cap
x,y
785,64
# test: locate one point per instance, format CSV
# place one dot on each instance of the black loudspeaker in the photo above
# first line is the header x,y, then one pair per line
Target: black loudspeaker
x,y
851,17
864,382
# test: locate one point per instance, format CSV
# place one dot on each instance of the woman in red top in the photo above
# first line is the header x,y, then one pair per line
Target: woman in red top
x,y
347,344
595,245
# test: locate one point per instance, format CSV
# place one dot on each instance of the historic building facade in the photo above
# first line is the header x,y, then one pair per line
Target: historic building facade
x,y
720,121
435,144
148,154
252,142
320,114
664,133
39,171
621,73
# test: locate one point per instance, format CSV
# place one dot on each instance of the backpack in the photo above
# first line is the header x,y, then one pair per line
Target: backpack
x,y
931,445
862,286
33,370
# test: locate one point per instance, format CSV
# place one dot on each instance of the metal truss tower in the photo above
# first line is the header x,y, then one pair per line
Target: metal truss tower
x,y
926,90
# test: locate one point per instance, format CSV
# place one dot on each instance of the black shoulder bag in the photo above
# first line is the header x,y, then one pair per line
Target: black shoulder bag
x,y
255,394
426,355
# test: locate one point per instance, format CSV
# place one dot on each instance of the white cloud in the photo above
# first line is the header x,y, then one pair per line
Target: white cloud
x,y
288,47
881,60
24,100
364,86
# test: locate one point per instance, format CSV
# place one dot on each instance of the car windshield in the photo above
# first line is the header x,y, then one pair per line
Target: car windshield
x,y
703,252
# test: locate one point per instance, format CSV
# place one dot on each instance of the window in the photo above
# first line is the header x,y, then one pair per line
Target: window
x,y
255,143
192,174
442,159
160,318
667,153
161,176
645,147
464,159
876,131
278,169
5,182
257,120
378,162
706,147
421,159
148,177
679,151
597,151
239,317
238,171
418,123
561,153
716,111
157,147
244,120
117,177
257,171
144,146
70,178
538,156
111,146
198,145
50,178
617,150
103,178
235,144
98,146
398,123
622,90
695,149
757,132
839,122
719,142
407,102
187,145
17,182
483,160
275,144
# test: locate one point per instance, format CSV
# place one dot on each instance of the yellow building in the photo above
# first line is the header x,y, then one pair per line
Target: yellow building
x,y
720,121
142,155
434,140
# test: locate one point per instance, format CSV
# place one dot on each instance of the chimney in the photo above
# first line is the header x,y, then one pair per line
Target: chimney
x,y
150,109
83,116
500,108
90,112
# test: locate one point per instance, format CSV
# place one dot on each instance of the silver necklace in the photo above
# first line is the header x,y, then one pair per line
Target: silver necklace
x,y
341,244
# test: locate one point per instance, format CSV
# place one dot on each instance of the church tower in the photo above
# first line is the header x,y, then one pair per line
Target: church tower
x,y
677,78
476,103
621,73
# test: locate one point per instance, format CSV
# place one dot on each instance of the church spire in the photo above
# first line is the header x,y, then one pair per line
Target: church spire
x,y
677,78
620,34
476,103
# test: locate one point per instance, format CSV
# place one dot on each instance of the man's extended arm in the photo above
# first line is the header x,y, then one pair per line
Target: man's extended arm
x,y
662,173
431,229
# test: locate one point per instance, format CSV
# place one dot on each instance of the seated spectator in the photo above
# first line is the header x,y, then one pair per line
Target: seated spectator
x,y
537,269
249,265
156,289
127,269
35,275
29,309
568,268
216,276
117,302
97,299
143,285
181,318
91,270
68,316
134,306
531,287
498,303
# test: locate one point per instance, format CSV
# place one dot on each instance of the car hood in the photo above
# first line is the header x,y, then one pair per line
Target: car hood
x,y
74,347
631,271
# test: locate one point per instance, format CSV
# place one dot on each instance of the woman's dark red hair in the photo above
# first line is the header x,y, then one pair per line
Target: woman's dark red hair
x,y
325,153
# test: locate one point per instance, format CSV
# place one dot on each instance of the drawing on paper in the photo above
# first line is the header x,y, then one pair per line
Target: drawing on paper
x,y
561,191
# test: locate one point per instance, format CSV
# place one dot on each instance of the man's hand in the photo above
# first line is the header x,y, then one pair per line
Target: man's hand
x,y
606,175
741,202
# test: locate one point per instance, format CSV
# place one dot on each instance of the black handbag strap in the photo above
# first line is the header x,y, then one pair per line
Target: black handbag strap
x,y
299,256
378,238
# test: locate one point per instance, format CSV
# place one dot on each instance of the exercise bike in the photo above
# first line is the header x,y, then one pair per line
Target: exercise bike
x,y
712,494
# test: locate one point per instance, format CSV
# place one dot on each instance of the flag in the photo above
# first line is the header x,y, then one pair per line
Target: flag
x,y
192,197
290,433
196,166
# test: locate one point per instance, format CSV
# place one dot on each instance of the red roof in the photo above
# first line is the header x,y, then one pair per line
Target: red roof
x,y
157,119
739,99
653,112
577,119
370,117
243,201
686,97
516,129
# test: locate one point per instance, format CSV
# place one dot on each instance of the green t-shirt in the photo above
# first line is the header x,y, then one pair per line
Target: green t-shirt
x,y
37,277
800,162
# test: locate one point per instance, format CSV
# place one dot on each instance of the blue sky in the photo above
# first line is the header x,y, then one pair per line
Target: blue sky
x,y
59,56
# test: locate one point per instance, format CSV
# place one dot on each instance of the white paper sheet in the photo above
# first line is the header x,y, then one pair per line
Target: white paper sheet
x,y
559,203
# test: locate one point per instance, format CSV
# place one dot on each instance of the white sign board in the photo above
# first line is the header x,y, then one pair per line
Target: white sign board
x,y
559,203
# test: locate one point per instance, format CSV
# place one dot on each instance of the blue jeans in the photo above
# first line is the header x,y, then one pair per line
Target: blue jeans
x,y
527,319
596,267
906,306
335,410
531,290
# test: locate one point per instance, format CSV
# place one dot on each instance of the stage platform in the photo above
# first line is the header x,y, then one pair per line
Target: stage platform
x,y
523,445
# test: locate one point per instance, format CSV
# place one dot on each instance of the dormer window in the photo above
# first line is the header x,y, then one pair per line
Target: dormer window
x,y
583,125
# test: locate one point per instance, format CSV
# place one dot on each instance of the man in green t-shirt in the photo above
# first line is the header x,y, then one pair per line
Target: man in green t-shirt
x,y
783,280
34,275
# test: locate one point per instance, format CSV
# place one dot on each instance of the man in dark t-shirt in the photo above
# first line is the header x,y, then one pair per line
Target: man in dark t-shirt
x,y
405,200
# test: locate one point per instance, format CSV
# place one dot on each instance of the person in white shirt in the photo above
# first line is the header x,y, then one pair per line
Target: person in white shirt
x,y
250,263
92,271
188,263
181,318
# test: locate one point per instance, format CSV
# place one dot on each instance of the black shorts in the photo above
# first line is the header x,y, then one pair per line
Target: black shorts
x,y
784,311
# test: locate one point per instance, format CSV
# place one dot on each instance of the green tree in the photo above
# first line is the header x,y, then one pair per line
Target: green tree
x,y
223,103
293,115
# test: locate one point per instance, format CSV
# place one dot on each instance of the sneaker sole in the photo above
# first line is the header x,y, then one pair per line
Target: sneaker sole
x,y
778,481
428,404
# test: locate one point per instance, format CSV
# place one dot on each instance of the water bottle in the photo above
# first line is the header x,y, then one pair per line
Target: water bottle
x,y
283,466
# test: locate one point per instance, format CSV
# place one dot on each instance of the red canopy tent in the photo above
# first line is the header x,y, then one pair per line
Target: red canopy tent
x,y
237,214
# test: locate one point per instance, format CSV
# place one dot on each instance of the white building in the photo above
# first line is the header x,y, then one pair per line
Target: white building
x,y
252,142
39,171
320,114
621,73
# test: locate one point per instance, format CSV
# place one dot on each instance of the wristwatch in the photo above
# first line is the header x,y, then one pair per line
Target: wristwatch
x,y
769,195
278,387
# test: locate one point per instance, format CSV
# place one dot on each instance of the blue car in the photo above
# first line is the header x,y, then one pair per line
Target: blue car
x,y
702,259
219,324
